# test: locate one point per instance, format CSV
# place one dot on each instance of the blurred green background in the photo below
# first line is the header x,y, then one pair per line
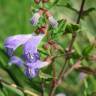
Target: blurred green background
x,y
14,19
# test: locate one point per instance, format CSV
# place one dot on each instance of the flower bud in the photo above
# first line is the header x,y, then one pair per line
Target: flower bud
x,y
54,45
53,22
46,46
36,16
37,1
51,19
42,30
51,42
45,1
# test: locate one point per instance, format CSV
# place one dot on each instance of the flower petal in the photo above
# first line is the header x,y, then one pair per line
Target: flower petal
x,y
32,57
37,65
53,22
35,18
30,47
16,60
31,72
11,43
40,64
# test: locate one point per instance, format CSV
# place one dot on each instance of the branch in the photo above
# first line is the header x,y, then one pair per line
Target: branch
x,y
67,58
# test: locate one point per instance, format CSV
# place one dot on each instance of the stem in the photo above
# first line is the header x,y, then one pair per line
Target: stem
x,y
54,71
81,11
54,75
43,87
61,74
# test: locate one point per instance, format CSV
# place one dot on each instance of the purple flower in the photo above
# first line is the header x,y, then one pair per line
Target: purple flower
x,y
32,69
31,54
53,22
35,18
31,72
11,43
16,60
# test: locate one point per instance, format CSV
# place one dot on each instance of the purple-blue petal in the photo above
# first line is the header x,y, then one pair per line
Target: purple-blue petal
x,y
30,47
11,43
16,60
32,57
38,64
31,72
9,51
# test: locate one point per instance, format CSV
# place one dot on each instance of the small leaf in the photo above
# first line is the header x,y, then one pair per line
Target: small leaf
x,y
75,27
72,28
45,76
87,50
77,48
61,28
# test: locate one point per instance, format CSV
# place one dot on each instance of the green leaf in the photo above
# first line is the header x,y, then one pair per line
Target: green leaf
x,y
72,28
60,29
13,90
3,58
16,73
75,27
44,76
1,93
77,48
87,50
